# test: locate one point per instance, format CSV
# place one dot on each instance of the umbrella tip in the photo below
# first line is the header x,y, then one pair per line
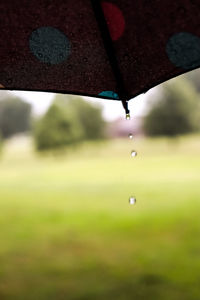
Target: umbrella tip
x,y
127,111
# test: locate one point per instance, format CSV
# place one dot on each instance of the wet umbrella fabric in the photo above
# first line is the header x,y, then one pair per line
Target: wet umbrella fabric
x,y
109,49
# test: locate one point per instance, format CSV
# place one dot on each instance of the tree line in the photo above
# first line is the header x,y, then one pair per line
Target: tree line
x,y
71,120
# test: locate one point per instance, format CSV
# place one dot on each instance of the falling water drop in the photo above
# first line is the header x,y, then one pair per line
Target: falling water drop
x,y
132,200
133,153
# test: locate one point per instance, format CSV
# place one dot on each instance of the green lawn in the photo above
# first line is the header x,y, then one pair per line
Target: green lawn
x,y
67,230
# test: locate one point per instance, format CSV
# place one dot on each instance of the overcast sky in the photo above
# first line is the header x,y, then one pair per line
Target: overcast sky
x,y
112,109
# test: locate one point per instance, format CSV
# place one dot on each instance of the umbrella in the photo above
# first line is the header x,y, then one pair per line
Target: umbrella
x,y
113,49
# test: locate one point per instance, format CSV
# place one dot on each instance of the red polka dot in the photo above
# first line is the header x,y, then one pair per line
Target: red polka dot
x,y
115,20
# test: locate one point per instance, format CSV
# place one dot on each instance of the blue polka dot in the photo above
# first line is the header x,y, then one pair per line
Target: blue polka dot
x,y
109,94
183,50
49,45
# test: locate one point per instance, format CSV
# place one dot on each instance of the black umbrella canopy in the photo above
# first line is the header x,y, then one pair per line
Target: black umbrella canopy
x,y
113,49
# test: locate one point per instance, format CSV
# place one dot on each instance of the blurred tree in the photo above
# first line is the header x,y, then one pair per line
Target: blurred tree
x,y
14,116
176,111
57,129
88,114
68,121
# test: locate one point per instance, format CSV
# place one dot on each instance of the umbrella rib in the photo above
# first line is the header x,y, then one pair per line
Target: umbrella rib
x,y
108,45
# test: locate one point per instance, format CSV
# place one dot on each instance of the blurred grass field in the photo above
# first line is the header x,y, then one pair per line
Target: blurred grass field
x,y
67,230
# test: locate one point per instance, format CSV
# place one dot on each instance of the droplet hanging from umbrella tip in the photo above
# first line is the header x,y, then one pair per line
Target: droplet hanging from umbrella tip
x,y
125,105
132,200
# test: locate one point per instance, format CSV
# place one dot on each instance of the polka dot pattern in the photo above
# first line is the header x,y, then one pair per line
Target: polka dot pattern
x,y
183,50
115,20
67,48
49,45
109,94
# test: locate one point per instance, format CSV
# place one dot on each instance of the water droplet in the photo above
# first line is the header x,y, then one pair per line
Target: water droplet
x,y
128,116
130,136
133,153
132,200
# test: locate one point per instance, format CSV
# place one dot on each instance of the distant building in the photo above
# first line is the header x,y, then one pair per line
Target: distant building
x,y
122,127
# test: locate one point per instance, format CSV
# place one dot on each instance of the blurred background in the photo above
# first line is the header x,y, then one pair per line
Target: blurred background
x,y
66,175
